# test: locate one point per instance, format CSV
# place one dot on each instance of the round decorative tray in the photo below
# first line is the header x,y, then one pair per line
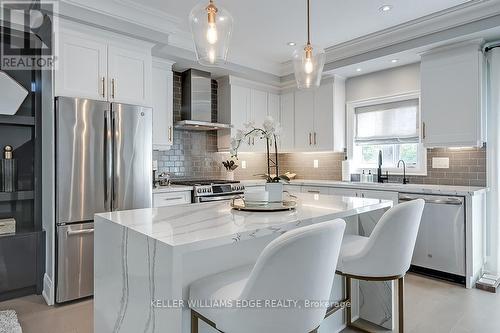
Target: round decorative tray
x,y
239,203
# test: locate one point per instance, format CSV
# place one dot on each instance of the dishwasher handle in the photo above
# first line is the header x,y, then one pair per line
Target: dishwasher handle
x,y
444,201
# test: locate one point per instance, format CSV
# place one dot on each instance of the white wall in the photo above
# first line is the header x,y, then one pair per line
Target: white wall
x,y
384,83
48,178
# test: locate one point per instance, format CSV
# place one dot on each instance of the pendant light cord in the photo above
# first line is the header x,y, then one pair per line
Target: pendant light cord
x,y
308,23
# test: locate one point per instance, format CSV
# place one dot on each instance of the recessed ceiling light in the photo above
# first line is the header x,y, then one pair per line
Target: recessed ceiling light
x,y
291,44
394,61
358,69
385,8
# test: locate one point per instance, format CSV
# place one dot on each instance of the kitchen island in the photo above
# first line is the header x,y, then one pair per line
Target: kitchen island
x,y
146,259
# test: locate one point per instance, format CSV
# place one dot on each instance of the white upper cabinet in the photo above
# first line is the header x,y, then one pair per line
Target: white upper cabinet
x,y
103,66
304,120
129,76
259,112
287,120
273,106
163,130
320,117
241,101
452,96
82,68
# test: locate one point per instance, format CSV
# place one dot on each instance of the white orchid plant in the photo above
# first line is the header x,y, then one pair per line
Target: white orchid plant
x,y
270,132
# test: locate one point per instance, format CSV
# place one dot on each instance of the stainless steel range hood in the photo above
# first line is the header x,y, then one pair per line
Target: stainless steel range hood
x,y
196,111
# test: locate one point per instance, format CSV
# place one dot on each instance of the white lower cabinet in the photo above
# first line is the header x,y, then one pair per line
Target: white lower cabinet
x,y
171,198
292,188
371,194
315,189
347,192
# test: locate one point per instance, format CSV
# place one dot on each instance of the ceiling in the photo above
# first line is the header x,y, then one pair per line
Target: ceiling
x,y
263,27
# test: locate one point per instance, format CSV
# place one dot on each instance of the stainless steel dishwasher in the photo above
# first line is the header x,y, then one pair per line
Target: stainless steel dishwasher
x,y
440,247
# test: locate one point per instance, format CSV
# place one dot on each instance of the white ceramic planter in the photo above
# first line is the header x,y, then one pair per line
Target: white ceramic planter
x,y
275,191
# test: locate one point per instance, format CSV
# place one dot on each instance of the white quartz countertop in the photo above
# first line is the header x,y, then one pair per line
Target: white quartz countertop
x,y
396,187
172,188
215,222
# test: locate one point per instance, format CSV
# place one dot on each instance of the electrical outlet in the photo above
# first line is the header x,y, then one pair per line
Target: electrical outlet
x,y
440,163
243,164
316,164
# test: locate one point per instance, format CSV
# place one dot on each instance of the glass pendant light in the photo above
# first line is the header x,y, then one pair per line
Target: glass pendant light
x,y
308,61
211,28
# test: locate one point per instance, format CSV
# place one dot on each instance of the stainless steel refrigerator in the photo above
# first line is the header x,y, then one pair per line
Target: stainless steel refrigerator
x,y
103,163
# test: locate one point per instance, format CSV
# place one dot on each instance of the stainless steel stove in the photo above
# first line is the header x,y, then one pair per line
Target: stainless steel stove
x,y
212,190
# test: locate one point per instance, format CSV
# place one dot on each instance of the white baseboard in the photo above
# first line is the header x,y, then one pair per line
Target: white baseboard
x,y
48,290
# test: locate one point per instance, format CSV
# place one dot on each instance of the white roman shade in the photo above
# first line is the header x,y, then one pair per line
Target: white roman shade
x,y
388,123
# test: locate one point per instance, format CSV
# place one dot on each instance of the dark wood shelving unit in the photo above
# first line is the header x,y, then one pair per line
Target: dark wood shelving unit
x,y
22,253
17,120
17,196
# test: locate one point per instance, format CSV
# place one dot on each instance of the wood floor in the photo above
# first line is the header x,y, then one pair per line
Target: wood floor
x,y
431,307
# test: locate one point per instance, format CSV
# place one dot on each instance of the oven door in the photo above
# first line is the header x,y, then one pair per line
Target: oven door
x,y
222,197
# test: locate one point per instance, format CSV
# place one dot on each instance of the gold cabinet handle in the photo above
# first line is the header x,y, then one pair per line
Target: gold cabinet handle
x,y
315,138
170,133
103,86
113,84
423,130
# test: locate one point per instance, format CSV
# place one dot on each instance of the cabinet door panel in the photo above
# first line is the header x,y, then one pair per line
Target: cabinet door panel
x,y
129,76
323,117
258,113
82,67
240,112
314,189
347,192
287,120
162,107
273,106
304,120
451,98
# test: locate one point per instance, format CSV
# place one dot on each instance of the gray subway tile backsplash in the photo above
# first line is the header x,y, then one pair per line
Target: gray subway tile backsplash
x,y
194,155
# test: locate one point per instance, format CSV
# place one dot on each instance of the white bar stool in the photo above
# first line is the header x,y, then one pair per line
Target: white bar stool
x,y
298,265
385,255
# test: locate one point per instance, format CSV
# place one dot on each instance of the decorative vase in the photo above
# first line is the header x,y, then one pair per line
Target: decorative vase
x,y
230,175
275,191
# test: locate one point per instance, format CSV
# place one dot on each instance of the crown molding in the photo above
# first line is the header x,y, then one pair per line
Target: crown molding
x,y
130,11
469,12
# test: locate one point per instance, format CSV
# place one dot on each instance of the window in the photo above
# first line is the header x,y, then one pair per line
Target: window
x,y
390,125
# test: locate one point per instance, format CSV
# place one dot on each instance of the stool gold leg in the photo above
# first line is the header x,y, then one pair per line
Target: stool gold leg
x,y
194,322
401,304
348,292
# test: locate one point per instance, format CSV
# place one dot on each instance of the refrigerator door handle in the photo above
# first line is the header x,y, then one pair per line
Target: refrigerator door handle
x,y
108,160
114,161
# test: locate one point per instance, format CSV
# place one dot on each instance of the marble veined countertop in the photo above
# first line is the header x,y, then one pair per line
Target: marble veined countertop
x,y
215,222
396,187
